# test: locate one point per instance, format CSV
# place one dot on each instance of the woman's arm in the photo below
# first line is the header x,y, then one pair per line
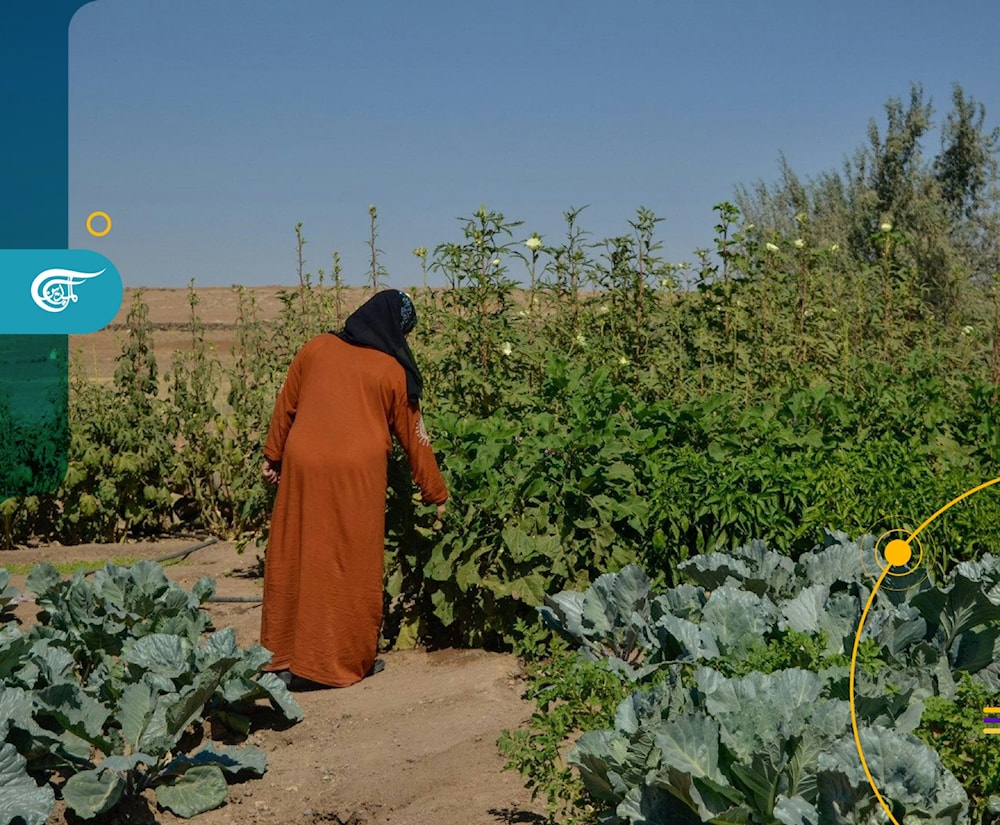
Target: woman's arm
x,y
408,426
282,418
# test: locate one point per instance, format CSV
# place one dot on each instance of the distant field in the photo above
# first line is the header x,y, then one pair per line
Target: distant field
x,y
169,313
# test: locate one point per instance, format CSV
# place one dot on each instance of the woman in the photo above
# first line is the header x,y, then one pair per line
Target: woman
x,y
327,449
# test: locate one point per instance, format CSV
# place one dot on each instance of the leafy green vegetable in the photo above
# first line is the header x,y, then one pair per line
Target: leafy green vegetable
x,y
107,686
20,797
739,710
7,592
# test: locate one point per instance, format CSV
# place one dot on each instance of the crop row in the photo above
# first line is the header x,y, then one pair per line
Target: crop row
x,y
734,690
617,409
104,698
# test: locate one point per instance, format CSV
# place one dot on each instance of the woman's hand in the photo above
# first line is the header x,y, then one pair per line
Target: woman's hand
x,y
438,523
271,471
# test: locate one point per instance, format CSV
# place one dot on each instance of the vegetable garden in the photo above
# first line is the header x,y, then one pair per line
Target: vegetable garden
x,y
733,427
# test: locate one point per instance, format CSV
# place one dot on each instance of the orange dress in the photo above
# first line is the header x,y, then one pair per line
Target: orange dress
x,y
323,571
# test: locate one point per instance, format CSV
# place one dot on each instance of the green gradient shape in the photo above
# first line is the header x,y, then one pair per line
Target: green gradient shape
x,y
34,214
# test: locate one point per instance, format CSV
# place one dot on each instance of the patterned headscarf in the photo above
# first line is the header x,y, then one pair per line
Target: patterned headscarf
x,y
382,323
407,314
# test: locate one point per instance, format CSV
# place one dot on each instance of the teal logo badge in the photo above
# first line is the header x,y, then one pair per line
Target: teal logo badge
x,y
57,291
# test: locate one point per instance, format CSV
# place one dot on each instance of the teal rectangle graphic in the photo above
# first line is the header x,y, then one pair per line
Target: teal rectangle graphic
x,y
34,425
34,417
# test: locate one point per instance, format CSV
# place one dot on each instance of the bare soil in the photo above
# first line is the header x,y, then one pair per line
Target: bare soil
x,y
170,313
414,744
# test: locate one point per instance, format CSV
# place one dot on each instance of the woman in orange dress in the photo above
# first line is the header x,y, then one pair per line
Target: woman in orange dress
x,y
327,449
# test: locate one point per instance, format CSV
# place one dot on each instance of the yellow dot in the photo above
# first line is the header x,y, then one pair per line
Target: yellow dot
x,y
898,553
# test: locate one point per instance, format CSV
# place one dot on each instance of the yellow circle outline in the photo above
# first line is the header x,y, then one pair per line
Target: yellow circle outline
x,y
903,574
90,223
861,627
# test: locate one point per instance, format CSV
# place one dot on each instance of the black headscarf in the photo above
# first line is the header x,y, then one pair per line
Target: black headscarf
x,y
382,323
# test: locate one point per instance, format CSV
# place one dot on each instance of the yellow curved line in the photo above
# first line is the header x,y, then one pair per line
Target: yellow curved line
x,y
854,717
857,643
966,494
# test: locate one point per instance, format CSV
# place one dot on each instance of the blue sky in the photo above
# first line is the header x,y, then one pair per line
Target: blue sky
x,y
208,128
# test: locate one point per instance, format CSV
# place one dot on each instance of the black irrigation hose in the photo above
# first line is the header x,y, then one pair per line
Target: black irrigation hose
x,y
248,599
176,555
180,554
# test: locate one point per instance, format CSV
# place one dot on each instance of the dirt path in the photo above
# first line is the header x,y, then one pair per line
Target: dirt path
x,y
414,744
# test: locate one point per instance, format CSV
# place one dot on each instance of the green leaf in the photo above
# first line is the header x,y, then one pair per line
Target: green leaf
x,y
769,573
76,711
962,606
43,748
14,651
55,664
235,762
684,601
279,695
438,567
203,589
199,789
839,562
596,755
975,649
190,703
686,641
467,575
93,792
713,570
648,708
782,704
529,589
147,577
795,811
619,471
738,619
7,593
20,797
444,607
815,611
910,775
253,659
135,710
236,722
15,708
165,654
652,805
690,745
123,764
42,578
394,582
220,645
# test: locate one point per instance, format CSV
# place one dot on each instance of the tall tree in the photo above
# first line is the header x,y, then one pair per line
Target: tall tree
x,y
943,212
967,166
967,172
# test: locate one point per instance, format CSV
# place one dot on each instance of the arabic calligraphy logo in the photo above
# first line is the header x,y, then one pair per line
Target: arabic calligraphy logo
x,y
52,290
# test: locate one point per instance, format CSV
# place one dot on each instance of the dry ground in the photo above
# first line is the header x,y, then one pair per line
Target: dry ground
x,y
413,745
169,311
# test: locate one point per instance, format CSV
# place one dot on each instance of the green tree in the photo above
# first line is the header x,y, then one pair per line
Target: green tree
x,y
967,172
942,211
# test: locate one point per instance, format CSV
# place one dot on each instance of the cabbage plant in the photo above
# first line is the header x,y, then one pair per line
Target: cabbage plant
x,y
106,688
711,733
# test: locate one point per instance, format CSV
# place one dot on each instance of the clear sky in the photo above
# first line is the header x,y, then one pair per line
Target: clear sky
x,y
208,128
